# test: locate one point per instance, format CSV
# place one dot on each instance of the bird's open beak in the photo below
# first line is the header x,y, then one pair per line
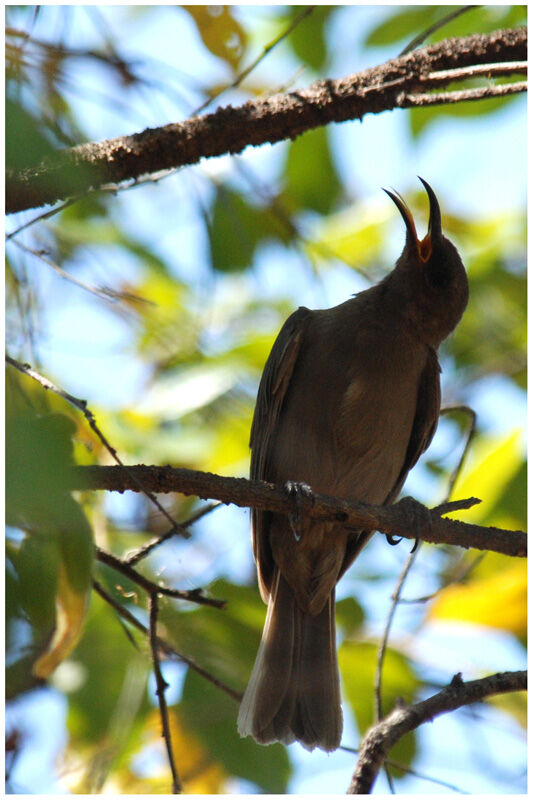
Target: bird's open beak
x,y
424,246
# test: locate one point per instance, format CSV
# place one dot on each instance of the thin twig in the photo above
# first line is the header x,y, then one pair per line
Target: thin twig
x,y
161,686
46,215
445,506
104,294
462,409
266,50
378,707
391,762
191,596
421,99
146,549
421,37
81,405
164,646
491,70
463,574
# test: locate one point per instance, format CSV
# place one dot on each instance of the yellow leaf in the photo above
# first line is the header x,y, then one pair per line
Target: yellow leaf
x,y
71,609
492,465
197,770
497,601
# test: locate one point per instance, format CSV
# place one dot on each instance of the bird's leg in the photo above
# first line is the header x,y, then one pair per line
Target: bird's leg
x,y
300,492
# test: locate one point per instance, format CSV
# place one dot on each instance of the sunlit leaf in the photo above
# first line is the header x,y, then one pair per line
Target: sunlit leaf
x,y
497,601
311,180
490,467
237,228
308,39
212,716
357,661
221,33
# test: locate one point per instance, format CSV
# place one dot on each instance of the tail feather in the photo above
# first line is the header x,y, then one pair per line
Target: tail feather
x,y
293,693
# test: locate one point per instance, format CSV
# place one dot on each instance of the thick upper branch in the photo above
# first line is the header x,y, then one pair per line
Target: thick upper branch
x,y
379,740
406,518
271,119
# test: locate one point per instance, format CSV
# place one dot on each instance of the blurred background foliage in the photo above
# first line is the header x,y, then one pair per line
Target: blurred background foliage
x,y
158,303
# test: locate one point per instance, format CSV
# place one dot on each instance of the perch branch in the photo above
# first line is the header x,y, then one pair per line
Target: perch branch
x,y
407,518
260,121
379,739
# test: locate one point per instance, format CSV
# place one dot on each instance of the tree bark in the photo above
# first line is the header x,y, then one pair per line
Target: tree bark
x,y
396,84
407,518
379,740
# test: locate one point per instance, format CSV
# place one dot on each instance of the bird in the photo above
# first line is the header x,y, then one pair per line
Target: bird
x,y
348,401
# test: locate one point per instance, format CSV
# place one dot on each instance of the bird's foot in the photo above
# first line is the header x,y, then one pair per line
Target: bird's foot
x,y
300,492
418,518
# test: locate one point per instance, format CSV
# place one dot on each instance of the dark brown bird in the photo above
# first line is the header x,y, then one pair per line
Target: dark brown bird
x,y
348,401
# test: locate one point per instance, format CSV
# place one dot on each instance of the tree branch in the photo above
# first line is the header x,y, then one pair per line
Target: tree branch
x,y
407,518
161,686
164,646
379,740
270,119
190,595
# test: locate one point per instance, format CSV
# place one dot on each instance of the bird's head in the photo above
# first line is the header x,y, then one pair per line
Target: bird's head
x,y
430,274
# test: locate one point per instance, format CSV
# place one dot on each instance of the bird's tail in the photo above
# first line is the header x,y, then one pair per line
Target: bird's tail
x,y
293,693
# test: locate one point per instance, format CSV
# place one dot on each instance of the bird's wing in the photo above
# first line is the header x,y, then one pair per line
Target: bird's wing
x,y
424,422
424,426
272,389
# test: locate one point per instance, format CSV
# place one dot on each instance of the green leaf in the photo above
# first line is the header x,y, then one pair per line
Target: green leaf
x,y
224,641
402,24
350,615
212,716
25,144
357,661
107,655
311,181
237,228
308,39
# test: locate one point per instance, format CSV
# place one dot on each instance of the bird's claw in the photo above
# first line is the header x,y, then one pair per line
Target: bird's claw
x,y
299,491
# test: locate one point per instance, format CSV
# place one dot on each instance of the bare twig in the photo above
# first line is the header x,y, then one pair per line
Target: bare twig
x,y
471,414
41,217
267,119
146,549
459,578
164,646
266,50
191,596
103,293
391,762
465,95
443,508
161,686
81,405
490,70
421,37
379,740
